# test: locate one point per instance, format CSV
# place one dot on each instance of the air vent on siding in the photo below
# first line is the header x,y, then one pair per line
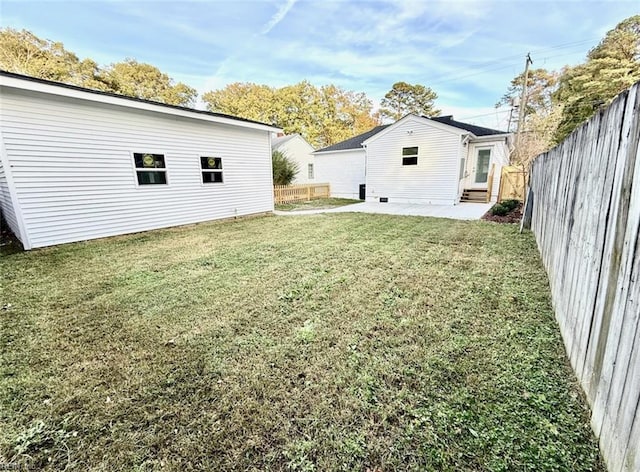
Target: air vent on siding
x,y
384,199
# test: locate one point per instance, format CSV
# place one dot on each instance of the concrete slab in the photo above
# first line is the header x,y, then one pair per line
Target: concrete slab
x,y
462,211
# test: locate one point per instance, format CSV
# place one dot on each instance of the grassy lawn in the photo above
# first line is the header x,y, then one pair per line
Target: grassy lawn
x,y
321,203
316,343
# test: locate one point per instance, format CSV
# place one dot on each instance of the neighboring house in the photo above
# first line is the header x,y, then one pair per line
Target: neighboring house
x,y
77,164
297,149
419,160
342,165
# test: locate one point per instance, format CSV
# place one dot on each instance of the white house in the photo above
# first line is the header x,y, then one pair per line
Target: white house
x,y
418,160
77,164
296,148
343,166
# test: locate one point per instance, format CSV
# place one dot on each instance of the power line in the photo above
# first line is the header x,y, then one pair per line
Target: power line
x,y
507,110
487,66
496,112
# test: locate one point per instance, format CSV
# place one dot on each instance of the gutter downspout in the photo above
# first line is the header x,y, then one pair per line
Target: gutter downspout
x,y
464,146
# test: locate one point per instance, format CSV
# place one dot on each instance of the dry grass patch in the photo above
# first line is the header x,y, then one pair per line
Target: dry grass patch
x,y
320,203
327,342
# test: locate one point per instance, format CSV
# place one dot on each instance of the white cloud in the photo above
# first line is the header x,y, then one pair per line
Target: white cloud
x,y
279,16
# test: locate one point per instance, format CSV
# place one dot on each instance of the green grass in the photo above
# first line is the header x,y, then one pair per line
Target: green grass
x,y
319,343
321,203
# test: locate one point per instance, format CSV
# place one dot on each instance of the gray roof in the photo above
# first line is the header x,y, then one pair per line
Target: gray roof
x,y
477,130
355,142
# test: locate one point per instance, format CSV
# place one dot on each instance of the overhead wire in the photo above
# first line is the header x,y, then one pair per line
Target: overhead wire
x,y
487,66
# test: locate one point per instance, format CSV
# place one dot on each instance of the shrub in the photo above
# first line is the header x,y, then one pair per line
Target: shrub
x,y
284,169
510,204
499,209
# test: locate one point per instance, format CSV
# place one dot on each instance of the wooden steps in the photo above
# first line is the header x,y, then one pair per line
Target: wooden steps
x,y
474,196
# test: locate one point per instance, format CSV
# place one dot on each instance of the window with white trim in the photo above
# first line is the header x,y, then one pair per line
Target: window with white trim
x,y
410,156
310,171
150,168
211,170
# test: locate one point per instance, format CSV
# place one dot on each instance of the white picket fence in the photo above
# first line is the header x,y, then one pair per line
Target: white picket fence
x,y
584,209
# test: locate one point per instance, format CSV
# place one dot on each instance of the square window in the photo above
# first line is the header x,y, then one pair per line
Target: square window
x,y
150,178
210,163
211,177
211,169
150,168
410,156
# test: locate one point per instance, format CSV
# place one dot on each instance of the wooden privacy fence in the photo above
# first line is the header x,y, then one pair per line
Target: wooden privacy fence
x,y
298,193
584,209
512,183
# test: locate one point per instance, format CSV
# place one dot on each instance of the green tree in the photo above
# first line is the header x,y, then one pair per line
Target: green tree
x,y
404,98
140,80
322,115
246,100
541,84
611,67
284,169
541,114
24,53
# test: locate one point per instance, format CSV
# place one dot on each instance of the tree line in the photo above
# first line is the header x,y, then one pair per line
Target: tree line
x,y
323,115
557,101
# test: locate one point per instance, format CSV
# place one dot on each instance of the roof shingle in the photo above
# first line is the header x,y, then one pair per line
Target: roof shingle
x,y
355,142
477,130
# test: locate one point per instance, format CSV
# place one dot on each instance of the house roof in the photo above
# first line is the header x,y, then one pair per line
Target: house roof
x,y
108,97
477,130
278,140
356,141
353,143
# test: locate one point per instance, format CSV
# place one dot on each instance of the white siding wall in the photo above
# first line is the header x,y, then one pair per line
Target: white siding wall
x,y
74,174
344,171
6,204
298,150
433,181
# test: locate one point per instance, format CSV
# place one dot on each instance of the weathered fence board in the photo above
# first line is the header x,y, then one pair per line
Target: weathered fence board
x,y
584,207
298,193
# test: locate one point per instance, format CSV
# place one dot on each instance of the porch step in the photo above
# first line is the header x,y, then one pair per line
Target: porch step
x,y
474,196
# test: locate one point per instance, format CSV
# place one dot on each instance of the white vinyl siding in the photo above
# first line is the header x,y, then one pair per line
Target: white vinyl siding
x,y
6,204
299,151
433,180
344,171
75,180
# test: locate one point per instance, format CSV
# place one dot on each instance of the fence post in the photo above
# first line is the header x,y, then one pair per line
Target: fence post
x,y
527,211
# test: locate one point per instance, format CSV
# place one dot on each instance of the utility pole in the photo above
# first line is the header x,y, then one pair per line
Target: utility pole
x,y
523,102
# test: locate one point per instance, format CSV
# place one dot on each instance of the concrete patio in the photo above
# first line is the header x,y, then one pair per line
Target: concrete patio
x,y
462,211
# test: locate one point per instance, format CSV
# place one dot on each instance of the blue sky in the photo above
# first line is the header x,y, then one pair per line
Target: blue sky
x,y
467,51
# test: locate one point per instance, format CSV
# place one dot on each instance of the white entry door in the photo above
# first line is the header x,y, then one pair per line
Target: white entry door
x,y
480,172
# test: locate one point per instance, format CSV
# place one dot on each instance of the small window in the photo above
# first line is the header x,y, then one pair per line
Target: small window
x,y
310,171
150,168
211,169
410,156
